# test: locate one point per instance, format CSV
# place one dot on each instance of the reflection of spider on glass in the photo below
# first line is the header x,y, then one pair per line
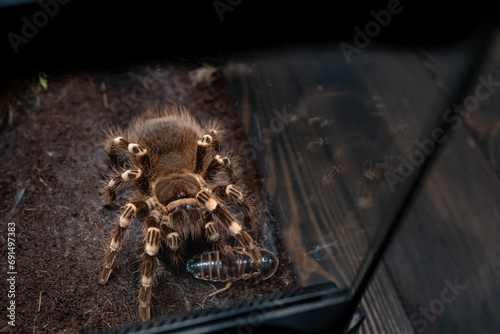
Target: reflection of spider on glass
x,y
183,187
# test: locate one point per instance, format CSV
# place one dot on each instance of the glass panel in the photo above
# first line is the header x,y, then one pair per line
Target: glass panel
x,y
336,141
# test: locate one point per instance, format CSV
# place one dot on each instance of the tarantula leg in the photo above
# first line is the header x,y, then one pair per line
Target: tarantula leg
x,y
126,178
230,224
120,145
149,263
246,241
211,232
206,200
236,196
233,193
217,164
129,213
170,236
214,234
201,152
215,140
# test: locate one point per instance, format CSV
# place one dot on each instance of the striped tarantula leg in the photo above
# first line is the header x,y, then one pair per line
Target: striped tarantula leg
x,y
215,139
230,224
129,213
214,235
236,230
120,145
203,146
116,146
150,263
211,231
173,241
140,154
247,242
206,200
217,164
236,196
126,178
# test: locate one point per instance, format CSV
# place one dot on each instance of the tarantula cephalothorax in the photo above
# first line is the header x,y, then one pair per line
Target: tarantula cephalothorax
x,y
182,187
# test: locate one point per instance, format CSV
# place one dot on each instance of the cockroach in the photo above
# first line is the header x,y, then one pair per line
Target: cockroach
x,y
232,266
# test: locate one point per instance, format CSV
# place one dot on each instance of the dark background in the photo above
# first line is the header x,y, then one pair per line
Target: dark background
x,y
92,33
101,35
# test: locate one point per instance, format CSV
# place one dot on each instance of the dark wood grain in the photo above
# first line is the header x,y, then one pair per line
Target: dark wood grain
x,y
452,234
376,110
452,231
316,163
384,312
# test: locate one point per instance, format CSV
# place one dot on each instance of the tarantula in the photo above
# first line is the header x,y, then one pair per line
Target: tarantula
x,y
182,186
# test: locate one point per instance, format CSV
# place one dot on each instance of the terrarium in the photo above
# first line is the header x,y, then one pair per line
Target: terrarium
x,y
329,148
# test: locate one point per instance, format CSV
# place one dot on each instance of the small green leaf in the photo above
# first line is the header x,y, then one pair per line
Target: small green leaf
x,y
42,78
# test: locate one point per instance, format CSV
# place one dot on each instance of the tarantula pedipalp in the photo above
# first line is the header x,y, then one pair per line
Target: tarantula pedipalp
x,y
182,187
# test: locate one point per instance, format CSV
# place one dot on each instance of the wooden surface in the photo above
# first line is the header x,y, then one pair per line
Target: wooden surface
x,y
342,127
452,231
384,311
323,164
376,108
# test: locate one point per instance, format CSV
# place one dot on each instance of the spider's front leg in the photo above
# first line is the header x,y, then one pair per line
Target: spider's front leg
x,y
119,148
129,212
126,179
222,218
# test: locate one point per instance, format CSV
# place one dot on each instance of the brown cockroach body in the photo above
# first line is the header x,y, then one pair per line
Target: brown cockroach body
x,y
215,266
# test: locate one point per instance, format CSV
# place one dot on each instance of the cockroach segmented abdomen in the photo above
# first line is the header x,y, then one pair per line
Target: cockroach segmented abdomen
x,y
215,266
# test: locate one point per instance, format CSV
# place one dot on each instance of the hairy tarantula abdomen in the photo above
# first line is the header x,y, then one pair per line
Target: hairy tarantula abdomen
x,y
183,186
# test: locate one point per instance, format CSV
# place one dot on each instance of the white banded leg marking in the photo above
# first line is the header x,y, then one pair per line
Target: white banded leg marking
x,y
146,281
152,241
222,160
212,233
204,197
232,191
151,203
173,241
131,174
136,150
205,140
120,140
235,228
211,204
114,245
128,215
